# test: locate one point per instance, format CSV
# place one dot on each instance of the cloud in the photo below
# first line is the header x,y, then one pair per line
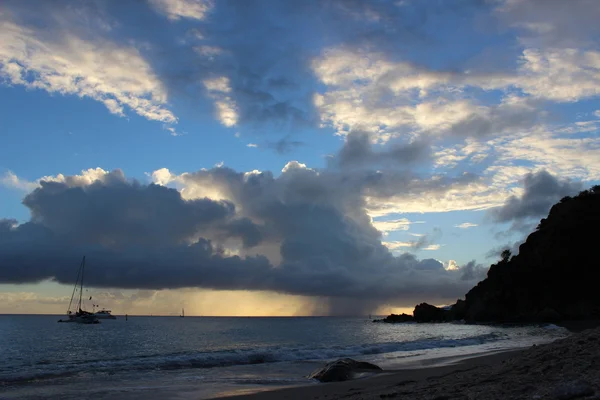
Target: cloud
x,y
553,23
113,74
284,145
560,74
252,145
424,242
369,91
293,234
177,9
541,191
465,225
401,224
473,271
496,252
9,179
226,109
357,152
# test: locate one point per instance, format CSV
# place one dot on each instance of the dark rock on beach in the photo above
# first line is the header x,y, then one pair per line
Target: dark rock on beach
x,y
396,318
343,370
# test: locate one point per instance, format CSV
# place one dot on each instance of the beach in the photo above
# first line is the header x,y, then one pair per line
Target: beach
x,y
565,369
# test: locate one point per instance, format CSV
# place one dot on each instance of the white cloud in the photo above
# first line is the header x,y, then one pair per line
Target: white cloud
x,y
226,108
451,265
395,245
162,176
563,156
219,84
564,75
87,177
561,75
465,225
402,224
475,196
597,113
113,74
9,179
177,9
292,165
365,91
252,145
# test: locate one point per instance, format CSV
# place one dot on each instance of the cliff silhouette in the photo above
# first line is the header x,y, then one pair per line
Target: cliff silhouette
x,y
555,276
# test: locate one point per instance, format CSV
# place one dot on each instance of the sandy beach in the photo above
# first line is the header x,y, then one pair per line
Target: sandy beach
x,y
565,369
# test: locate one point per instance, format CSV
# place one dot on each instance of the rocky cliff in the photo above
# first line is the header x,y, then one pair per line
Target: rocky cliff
x,y
555,276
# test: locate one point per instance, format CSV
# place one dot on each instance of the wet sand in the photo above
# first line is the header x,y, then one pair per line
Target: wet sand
x,y
565,369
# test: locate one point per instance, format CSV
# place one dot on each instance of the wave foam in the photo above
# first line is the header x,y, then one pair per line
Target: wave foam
x,y
232,358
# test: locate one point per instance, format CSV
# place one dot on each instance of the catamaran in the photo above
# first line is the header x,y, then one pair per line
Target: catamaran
x,y
79,316
104,314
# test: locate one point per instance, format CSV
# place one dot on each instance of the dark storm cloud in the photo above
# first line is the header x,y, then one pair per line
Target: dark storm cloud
x,y
541,191
473,272
148,237
122,212
358,152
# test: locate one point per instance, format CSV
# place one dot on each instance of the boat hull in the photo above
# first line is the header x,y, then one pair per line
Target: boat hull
x,y
105,316
81,319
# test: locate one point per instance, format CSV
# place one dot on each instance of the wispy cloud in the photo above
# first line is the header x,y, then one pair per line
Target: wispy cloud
x,y
177,9
113,74
465,225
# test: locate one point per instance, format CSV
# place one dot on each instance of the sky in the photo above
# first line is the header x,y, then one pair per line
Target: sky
x,y
265,157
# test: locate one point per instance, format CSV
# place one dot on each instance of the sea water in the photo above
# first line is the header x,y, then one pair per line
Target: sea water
x,y
206,357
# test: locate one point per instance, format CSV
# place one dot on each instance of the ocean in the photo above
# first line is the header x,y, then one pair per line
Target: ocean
x,y
206,357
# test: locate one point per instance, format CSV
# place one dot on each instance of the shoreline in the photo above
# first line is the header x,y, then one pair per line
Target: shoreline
x,y
418,371
567,368
381,381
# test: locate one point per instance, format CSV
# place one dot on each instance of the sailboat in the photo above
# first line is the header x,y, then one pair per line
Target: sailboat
x,y
182,313
79,316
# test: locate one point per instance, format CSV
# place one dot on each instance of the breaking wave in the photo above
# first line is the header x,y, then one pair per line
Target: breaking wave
x,y
188,360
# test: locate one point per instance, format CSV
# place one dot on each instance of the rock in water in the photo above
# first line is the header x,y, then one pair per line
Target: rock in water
x,y
427,313
393,318
342,370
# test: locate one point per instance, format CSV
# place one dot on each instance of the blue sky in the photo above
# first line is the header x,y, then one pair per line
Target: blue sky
x,y
458,123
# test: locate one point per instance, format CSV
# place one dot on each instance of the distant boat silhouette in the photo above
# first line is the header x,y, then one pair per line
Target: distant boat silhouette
x,y
182,313
80,316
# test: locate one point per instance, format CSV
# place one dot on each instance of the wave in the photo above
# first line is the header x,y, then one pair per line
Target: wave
x,y
48,370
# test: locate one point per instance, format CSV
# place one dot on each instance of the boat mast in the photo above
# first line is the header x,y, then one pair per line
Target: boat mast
x,y
81,282
75,286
